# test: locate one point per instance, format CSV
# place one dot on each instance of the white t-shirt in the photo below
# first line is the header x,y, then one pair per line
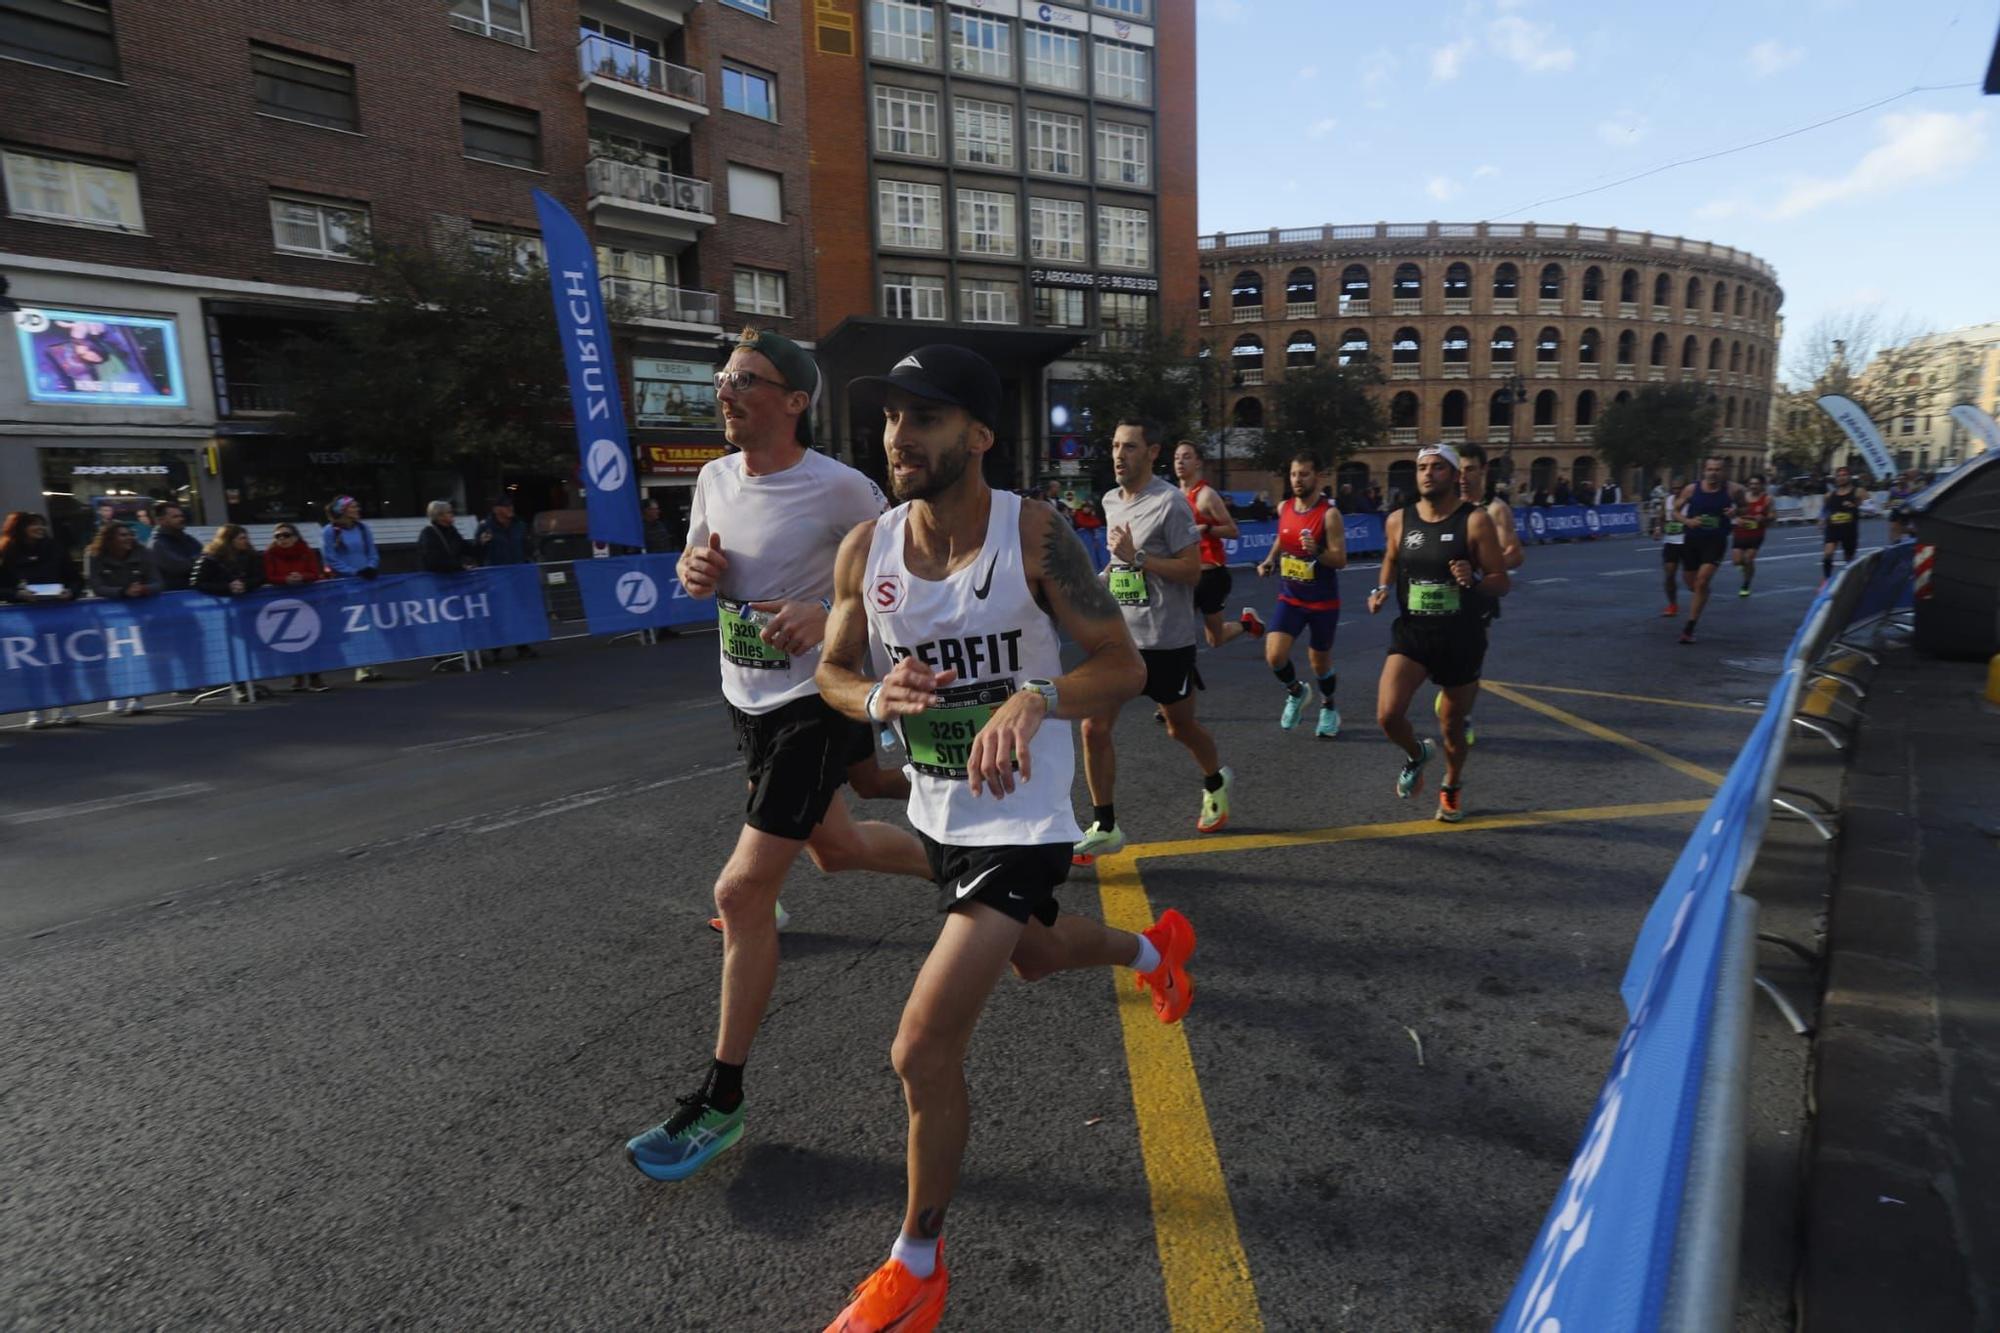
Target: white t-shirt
x,y
781,532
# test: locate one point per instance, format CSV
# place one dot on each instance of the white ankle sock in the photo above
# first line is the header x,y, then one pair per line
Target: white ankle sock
x,y
1148,957
919,1256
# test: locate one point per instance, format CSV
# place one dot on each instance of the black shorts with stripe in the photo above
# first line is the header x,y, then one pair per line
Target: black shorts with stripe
x,y
1016,880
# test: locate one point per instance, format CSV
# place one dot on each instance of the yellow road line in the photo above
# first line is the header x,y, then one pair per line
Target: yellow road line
x,y
1589,728
1628,698
1821,696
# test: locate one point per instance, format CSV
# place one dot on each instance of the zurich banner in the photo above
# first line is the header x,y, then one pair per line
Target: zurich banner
x,y
1547,523
359,622
59,653
611,483
631,592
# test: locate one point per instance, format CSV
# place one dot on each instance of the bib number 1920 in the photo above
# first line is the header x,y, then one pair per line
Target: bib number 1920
x,y
742,632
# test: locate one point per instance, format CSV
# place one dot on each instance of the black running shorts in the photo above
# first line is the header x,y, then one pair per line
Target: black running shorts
x,y
1670,552
1847,537
1707,548
1170,674
797,756
1451,654
1019,881
1211,590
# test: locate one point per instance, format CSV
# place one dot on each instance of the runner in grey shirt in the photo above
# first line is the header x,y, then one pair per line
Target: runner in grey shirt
x,y
1155,564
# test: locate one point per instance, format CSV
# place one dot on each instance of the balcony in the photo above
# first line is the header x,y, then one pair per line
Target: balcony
x,y
1593,307
1548,370
644,201
1622,372
623,83
1501,370
1402,436
643,301
1457,370
1548,306
1407,305
1453,434
1661,314
1458,305
1628,310
1586,370
248,399
1406,370
1506,305
1545,434
1354,307
1202,317
1302,310
1499,434
1718,320
1252,376
1656,374
1246,314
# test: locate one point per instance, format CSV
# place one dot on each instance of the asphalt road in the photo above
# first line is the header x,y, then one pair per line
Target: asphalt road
x,y
337,1010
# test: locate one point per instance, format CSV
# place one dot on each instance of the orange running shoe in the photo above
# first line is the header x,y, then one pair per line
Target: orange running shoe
x,y
894,1298
1173,991
1451,807
1673,609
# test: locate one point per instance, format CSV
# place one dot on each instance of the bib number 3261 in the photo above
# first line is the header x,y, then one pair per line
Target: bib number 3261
x,y
939,740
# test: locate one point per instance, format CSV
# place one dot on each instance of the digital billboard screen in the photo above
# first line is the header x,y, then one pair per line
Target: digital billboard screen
x,y
76,358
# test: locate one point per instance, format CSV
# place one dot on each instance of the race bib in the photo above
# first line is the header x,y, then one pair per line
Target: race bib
x,y
1749,524
1840,516
1676,529
742,645
1706,520
939,740
1128,587
1296,568
1433,599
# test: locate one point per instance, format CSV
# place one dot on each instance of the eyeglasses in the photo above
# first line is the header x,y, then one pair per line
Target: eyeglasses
x,y
739,380
284,534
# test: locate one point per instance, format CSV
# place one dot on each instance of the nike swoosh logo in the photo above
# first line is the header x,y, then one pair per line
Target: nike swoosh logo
x,y
985,586
965,888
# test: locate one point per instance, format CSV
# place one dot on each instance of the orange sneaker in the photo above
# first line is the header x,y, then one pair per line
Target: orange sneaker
x,y
893,1297
1673,609
1173,991
1451,807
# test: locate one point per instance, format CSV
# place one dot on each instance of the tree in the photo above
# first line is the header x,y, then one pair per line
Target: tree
x,y
1153,377
1856,353
1328,410
449,358
1662,429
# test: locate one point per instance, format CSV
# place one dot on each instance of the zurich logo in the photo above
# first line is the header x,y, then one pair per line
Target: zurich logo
x,y
606,466
288,625
637,593
1536,523
1590,519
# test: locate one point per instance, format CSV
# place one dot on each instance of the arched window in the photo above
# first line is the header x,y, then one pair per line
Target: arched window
x,y
1302,350
1247,292
1739,301
1247,354
1586,408
1693,302
1542,474
1409,283
1453,412
1657,355
1407,349
1545,408
1628,347
1353,474
1353,346
1735,358
1729,414
1402,482
1458,282
1501,348
1590,347
1593,283
1663,291
1301,287
1202,350
1551,288
1548,347
1715,354
1403,410
1457,346
1500,408
1721,301
1628,287
1583,474
1206,295
1506,282
1248,413
1353,286
1690,352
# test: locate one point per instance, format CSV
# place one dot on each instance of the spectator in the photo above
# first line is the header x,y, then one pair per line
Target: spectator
x,y
1563,495
230,567
1344,502
1052,492
505,540
141,529
116,566
349,549
1088,518
34,567
174,549
288,563
658,536
440,547
1610,493
1373,501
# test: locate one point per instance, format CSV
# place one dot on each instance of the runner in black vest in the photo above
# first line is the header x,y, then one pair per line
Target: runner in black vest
x,y
1440,549
1706,508
1841,520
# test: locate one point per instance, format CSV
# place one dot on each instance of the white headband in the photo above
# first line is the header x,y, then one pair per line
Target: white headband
x,y
1444,451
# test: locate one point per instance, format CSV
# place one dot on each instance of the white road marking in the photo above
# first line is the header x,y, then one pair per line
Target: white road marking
x,y
602,794
469,742
106,803
1548,580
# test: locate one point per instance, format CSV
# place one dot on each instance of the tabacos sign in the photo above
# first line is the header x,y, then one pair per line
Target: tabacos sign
x,y
289,625
78,647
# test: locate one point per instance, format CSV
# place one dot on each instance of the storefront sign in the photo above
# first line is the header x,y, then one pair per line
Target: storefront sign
x,y
680,460
1055,277
1119,282
136,470
1121,30
674,393
1057,17
77,358
1104,282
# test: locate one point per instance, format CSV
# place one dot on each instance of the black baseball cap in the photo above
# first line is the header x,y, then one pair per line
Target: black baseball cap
x,y
794,363
939,373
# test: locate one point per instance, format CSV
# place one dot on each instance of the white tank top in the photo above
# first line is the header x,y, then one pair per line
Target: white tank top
x,y
982,622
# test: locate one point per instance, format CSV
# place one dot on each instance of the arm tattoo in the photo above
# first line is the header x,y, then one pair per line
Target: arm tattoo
x,y
1066,565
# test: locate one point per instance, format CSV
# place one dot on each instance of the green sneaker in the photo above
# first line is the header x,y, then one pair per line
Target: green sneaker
x,y
1743,592
1215,806
1097,841
1329,723
1295,708
1411,780
687,1141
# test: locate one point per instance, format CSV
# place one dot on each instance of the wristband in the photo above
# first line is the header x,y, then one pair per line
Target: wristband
x,y
1381,587
869,706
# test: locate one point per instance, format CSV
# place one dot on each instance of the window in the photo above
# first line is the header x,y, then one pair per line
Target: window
x,y
318,92
318,227
912,296
756,194
1052,59
503,134
1124,316
906,121
1055,143
63,34
1123,153
58,189
982,133
517,250
761,8
504,20
1130,8
1124,237
981,45
1056,231
982,301
912,215
759,292
1124,73
1059,307
749,91
986,223
902,30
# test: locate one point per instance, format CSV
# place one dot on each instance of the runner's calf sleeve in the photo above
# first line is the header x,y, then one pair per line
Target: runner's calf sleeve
x,y
1326,684
1288,676
1105,816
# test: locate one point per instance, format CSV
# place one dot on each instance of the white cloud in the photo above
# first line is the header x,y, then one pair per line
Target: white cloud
x,y
1623,130
1447,62
1378,67
1228,11
1715,210
1307,73
1322,127
1770,57
1915,147
1483,170
1532,46
1441,188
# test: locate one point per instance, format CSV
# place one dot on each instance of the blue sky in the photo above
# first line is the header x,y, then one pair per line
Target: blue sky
x,y
1332,111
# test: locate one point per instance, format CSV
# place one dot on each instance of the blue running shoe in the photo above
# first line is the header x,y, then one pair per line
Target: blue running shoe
x,y
1329,723
1295,708
687,1141
1411,780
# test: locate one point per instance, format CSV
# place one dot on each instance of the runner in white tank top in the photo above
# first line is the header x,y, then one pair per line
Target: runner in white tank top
x,y
961,590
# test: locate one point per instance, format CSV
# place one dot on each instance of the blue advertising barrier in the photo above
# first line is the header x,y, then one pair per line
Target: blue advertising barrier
x,y
1254,539
360,622
633,592
54,654
1573,522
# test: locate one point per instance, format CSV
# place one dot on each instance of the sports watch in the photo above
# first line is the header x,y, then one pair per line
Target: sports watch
x,y
1045,688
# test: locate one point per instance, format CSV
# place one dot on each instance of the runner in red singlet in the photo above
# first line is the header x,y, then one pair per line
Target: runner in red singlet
x,y
1311,547
1213,521
1753,519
